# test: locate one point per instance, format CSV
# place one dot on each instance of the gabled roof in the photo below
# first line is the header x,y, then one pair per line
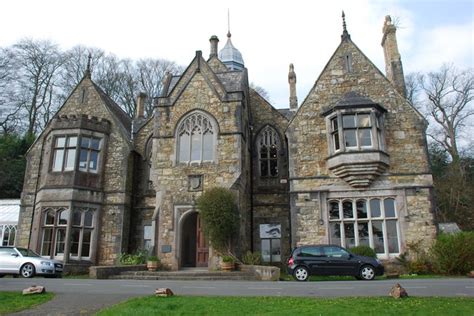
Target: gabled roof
x,y
116,110
9,211
223,84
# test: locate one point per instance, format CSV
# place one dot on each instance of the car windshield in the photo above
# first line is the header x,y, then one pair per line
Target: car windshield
x,y
27,252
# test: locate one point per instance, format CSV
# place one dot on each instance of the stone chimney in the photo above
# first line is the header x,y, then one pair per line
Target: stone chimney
x,y
292,82
214,42
140,113
393,61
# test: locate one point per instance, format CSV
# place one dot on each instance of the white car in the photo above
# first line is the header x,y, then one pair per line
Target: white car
x,y
27,263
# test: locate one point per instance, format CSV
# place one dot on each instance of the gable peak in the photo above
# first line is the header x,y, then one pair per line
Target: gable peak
x,y
345,35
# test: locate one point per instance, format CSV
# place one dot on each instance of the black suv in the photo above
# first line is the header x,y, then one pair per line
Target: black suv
x,y
331,260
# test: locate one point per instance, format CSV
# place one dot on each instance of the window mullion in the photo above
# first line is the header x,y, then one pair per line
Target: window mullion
x,y
342,141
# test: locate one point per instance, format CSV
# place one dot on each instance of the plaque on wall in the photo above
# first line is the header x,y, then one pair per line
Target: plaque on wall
x,y
166,248
270,231
195,183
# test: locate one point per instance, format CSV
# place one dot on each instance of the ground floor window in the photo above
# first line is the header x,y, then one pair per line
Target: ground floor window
x,y
270,236
372,222
7,235
147,237
65,232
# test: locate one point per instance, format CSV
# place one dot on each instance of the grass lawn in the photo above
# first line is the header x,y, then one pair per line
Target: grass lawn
x,y
15,301
196,305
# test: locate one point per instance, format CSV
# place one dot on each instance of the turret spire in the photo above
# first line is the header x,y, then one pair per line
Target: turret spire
x,y
228,24
345,34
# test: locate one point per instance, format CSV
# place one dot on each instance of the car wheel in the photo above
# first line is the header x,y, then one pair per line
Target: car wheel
x,y
27,270
301,273
2,275
367,273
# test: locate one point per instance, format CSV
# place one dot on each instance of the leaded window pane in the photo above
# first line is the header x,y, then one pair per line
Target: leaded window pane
x,y
58,159
392,236
70,159
264,168
72,141
49,218
273,167
83,160
60,241
208,147
63,217
47,241
375,208
363,230
348,121
335,233
361,206
196,147
76,218
349,235
334,210
86,243
184,145
365,137
88,217
335,136
269,145
75,235
389,207
347,209
95,143
85,142
350,138
363,120
93,162
377,233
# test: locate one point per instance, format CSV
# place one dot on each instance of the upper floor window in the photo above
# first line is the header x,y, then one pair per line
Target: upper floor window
x,y
196,138
268,148
355,131
65,153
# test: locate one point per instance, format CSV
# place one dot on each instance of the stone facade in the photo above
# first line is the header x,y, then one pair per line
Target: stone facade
x,y
349,166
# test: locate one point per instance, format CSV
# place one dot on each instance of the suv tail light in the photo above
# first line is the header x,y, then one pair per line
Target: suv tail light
x,y
291,261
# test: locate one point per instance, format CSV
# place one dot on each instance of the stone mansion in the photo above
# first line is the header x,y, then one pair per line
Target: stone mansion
x,y
349,166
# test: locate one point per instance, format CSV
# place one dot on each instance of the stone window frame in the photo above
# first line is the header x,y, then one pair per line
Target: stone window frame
x,y
269,137
8,234
187,124
83,228
56,223
335,126
77,149
383,218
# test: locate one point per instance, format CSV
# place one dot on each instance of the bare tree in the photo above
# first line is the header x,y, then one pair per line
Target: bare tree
x,y
36,64
151,73
413,88
449,95
261,91
75,65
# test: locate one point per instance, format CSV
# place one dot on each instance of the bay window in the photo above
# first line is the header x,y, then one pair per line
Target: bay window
x,y
371,222
66,149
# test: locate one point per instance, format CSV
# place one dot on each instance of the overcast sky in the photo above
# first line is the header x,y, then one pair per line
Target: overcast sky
x,y
269,34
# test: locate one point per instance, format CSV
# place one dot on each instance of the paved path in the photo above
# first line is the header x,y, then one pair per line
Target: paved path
x,y
86,296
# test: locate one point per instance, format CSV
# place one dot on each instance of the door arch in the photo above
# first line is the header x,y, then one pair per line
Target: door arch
x,y
194,248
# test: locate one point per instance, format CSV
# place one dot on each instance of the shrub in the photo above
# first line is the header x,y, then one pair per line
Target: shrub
x,y
131,259
228,259
364,251
220,218
453,254
153,258
253,258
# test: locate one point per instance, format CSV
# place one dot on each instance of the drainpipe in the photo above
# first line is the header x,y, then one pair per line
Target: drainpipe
x,y
36,193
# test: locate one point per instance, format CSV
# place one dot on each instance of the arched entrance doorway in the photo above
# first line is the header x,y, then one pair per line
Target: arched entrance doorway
x,y
194,247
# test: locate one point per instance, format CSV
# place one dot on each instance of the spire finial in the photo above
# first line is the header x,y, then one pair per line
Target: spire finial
x,y
228,23
88,69
345,34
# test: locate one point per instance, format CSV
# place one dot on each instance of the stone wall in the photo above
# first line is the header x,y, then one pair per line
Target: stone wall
x,y
404,143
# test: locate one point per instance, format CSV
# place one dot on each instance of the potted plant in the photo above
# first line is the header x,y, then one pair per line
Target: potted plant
x,y
152,263
228,263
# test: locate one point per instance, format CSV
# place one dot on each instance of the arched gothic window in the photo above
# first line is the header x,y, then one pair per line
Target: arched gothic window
x,y
268,148
196,139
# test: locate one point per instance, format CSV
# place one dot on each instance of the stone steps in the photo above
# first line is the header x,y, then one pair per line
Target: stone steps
x,y
184,275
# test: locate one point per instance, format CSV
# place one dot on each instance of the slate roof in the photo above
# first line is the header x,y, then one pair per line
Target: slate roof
x,y
123,117
286,113
9,211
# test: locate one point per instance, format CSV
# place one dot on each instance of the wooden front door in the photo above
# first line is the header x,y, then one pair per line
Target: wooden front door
x,y
202,248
